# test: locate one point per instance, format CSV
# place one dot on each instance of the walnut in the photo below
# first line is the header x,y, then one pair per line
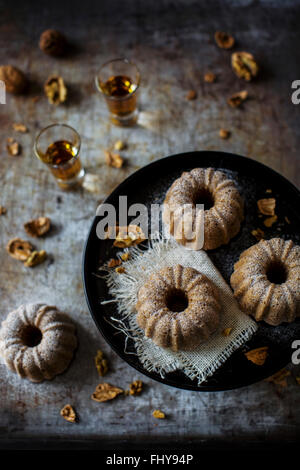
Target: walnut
x,y
270,221
258,234
18,127
52,42
244,65
68,414
2,210
120,270
19,249
227,331
136,387
267,206
101,363
237,99
210,77
38,227
119,145
224,40
128,236
113,262
258,356
158,414
279,378
105,392
14,78
113,159
224,134
191,95
35,258
55,90
13,147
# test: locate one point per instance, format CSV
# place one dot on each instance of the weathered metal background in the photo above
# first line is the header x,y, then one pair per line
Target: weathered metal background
x,y
172,42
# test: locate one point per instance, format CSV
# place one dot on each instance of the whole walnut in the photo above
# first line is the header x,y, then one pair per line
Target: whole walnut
x,y
52,42
14,78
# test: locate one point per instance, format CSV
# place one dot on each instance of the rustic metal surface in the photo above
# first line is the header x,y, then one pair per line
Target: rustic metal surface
x,y
173,44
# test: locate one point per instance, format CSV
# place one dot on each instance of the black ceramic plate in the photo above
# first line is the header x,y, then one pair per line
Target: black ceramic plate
x,y
149,185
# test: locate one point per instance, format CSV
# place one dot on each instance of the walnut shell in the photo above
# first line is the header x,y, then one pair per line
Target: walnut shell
x,y
52,42
38,227
14,78
19,249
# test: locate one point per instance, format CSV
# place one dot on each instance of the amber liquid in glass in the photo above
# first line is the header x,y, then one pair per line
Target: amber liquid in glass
x,y
60,156
121,96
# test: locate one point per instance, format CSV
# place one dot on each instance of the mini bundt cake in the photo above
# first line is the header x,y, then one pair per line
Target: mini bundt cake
x,y
37,341
223,207
178,308
266,281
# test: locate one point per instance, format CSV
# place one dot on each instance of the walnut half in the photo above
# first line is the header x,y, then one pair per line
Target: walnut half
x,y
244,65
55,90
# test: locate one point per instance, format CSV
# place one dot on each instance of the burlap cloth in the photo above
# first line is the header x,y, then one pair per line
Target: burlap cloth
x,y
205,360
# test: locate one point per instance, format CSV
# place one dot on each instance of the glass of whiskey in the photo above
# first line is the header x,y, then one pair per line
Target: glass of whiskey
x,y
58,147
118,81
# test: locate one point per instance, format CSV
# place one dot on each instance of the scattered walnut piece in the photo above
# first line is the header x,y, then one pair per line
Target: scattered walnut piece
x,y
125,256
158,414
270,221
119,145
19,249
120,270
258,356
298,380
279,378
36,257
268,190
136,387
244,65
224,40
224,134
191,95
210,77
237,99
287,219
13,147
68,413
258,234
38,227
113,262
128,236
227,331
267,206
52,42
113,159
14,79
55,90
18,127
101,363
2,210
105,392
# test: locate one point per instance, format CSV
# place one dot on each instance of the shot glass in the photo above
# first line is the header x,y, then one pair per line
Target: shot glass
x,y
118,81
58,147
